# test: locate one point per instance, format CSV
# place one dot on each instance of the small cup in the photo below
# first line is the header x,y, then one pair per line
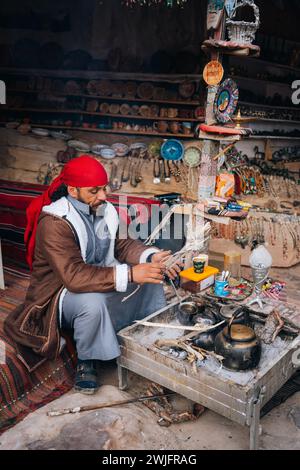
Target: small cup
x,y
221,288
199,265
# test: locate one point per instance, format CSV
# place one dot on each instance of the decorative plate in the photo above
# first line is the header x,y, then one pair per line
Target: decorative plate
x,y
107,153
187,89
40,132
91,87
226,101
125,109
60,135
104,87
138,145
78,145
192,157
145,91
145,111
104,108
96,149
120,149
172,149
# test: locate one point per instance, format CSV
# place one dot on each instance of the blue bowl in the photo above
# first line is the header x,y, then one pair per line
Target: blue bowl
x,y
172,149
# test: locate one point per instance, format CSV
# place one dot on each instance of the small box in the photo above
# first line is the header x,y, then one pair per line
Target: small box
x,y
198,282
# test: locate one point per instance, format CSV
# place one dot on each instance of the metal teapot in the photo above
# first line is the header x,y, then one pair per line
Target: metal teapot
x,y
239,346
207,340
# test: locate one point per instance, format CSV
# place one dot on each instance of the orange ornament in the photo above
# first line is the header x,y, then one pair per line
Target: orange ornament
x,y
213,73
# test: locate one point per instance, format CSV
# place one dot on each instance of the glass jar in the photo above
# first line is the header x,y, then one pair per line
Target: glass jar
x,y
232,263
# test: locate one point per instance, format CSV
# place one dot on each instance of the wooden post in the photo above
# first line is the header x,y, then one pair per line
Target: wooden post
x,y
208,167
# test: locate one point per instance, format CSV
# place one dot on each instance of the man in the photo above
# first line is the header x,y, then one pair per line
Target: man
x,y
81,270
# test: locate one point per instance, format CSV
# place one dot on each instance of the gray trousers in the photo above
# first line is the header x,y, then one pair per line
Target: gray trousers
x,y
96,318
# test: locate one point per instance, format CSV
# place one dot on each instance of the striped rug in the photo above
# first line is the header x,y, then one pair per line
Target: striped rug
x,y
21,392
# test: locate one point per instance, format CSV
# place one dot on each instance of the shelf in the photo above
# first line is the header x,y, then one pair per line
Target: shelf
x,y
268,106
259,119
274,64
112,131
259,80
106,98
272,137
74,111
98,75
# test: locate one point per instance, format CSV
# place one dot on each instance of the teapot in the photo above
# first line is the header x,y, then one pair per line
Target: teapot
x,y
239,346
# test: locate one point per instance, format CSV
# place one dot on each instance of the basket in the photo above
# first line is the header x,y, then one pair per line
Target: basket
x,y
243,32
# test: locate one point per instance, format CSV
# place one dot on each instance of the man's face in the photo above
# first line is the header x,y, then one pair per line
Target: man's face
x,y
94,196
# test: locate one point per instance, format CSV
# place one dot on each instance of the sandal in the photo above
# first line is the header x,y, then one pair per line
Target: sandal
x,y
86,377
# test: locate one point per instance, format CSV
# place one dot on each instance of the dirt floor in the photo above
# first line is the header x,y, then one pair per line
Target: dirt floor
x,y
134,426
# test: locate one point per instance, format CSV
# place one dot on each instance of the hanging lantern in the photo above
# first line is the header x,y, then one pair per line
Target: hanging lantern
x,y
149,3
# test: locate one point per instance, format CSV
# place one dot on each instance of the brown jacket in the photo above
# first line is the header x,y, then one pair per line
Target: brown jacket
x,y
58,263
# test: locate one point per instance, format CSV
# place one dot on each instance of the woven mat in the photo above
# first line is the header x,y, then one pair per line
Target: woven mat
x,y
21,392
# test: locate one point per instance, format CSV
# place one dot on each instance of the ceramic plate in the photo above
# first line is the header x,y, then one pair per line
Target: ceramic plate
x,y
192,157
96,149
107,153
172,149
226,101
120,149
40,132
80,146
138,145
60,135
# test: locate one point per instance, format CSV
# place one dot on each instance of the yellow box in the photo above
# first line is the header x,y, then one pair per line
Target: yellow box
x,y
192,276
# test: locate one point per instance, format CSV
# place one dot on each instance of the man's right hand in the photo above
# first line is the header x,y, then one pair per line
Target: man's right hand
x,y
148,273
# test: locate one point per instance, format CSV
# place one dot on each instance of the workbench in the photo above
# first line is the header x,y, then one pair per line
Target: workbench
x,y
239,396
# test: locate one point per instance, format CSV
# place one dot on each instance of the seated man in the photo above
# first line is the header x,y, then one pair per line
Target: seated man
x,y
81,270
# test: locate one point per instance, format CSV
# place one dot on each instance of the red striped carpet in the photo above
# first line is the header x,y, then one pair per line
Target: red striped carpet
x,y
21,392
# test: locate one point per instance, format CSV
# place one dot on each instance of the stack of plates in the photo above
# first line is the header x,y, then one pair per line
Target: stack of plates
x,y
96,149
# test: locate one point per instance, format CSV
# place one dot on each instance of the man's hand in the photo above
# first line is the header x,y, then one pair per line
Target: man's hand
x,y
148,273
162,257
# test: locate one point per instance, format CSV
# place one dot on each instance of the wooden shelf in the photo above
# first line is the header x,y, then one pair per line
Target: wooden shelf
x,y
259,80
269,106
272,137
74,111
274,64
259,119
98,75
112,131
106,98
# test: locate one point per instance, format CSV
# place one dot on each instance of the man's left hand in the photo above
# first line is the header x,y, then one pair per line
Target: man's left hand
x,y
162,257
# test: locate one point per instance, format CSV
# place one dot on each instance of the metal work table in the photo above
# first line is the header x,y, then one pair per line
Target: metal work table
x,y
235,395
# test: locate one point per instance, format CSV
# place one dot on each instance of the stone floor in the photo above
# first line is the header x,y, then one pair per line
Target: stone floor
x,y
135,427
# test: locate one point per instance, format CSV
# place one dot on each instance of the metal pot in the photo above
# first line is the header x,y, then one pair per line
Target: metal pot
x,y
207,340
240,314
239,346
186,313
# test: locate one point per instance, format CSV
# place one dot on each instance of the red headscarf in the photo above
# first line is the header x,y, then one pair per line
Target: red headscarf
x,y
80,172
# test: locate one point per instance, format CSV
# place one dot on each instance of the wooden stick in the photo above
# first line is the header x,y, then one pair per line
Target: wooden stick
x,y
180,327
223,151
79,409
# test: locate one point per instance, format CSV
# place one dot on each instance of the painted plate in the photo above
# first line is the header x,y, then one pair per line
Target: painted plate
x,y
192,157
138,145
79,146
226,101
172,149
107,153
60,135
120,149
40,132
96,149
